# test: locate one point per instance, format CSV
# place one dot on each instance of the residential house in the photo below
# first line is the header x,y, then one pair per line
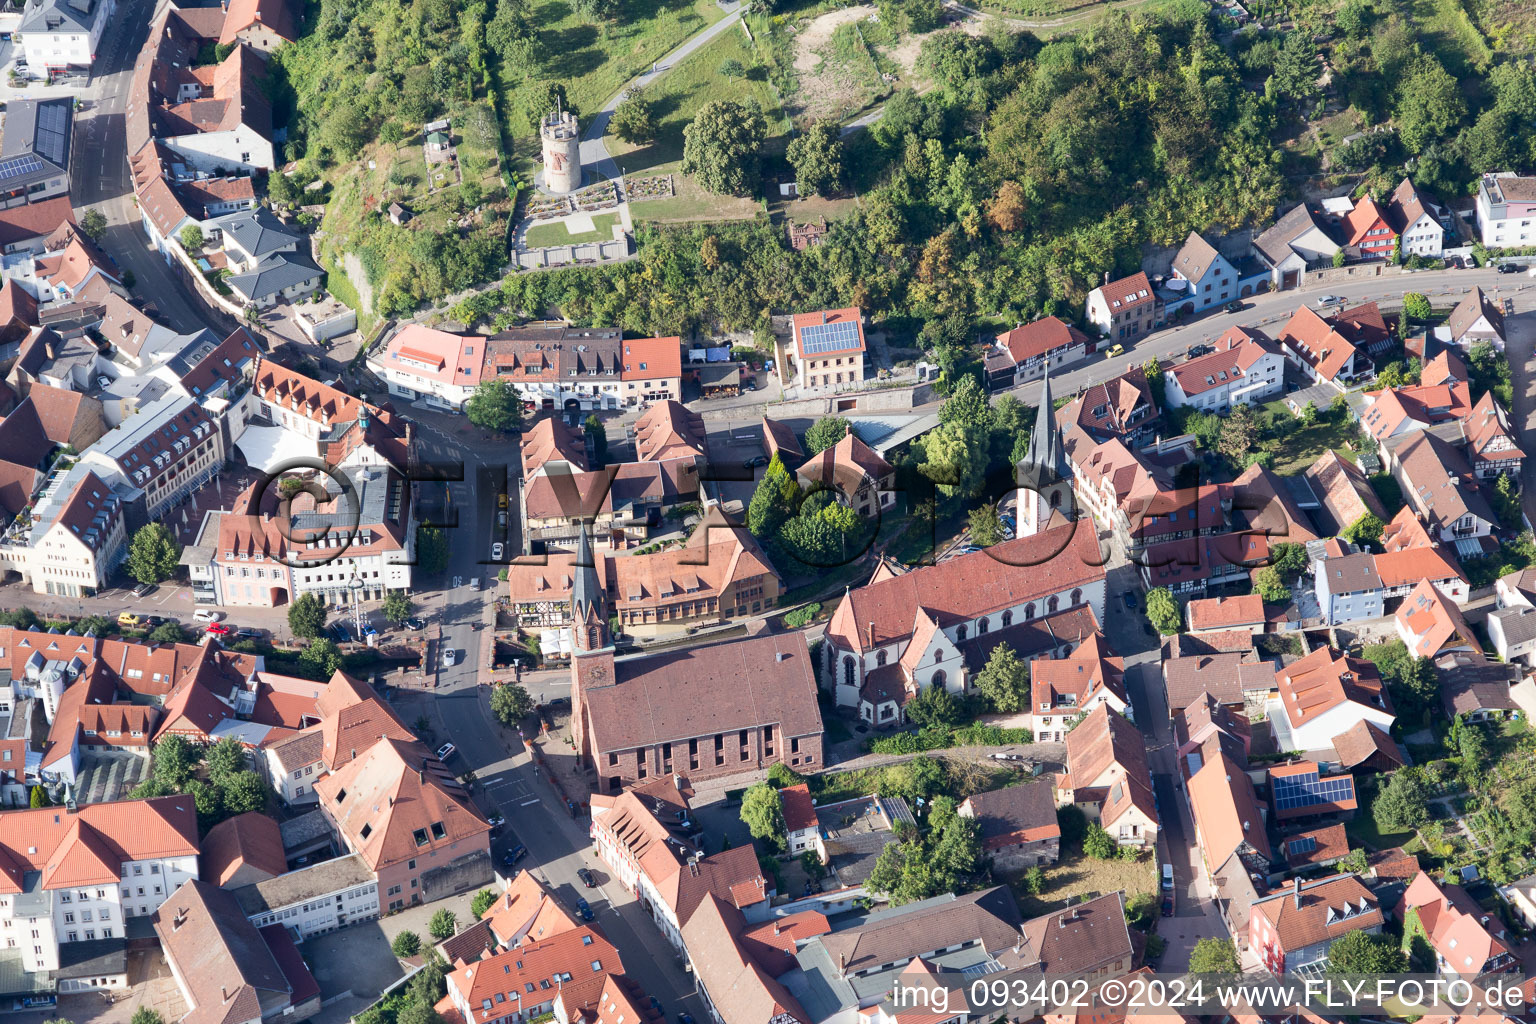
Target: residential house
x,y
351,718
27,226
158,457
1237,678
1229,823
567,976
1430,625
559,367
918,622
668,431
620,502
861,478
1208,277
263,25
314,900
1315,848
828,347
1492,446
227,970
1476,319
1505,209
733,986
1474,689
1293,928
1324,694
1466,941
1322,350
37,144
1064,690
779,441
1208,728
1122,407
800,818
214,126
1416,217
1219,614
411,821
288,411
1296,241
1088,941
1299,789
1368,231
1017,824
1440,486
1245,368
78,876
653,371
1124,310
62,35
1029,350
1107,777
422,363
270,263
1397,412
1343,492
1512,625
78,542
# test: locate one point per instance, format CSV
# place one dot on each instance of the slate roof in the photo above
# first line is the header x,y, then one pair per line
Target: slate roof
x,y
274,273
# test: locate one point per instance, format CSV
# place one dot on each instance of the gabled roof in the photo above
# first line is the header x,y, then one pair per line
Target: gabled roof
x,y
1453,922
1489,437
1127,293
78,847
846,465
250,840
276,15
583,953
1407,206
1081,939
552,439
652,358
1432,623
1225,612
526,913
1316,343
1235,353
1363,741
1106,751
1323,680
1033,340
1194,258
1362,219
1275,243
225,964
741,991
1440,482
828,332
1226,812
1474,306
1024,813
1308,913
1343,490
669,430
1104,410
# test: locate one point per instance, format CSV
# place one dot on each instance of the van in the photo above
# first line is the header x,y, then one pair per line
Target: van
x,y
1167,876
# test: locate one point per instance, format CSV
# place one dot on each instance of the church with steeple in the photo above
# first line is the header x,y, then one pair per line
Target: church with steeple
x,y
591,643
1044,477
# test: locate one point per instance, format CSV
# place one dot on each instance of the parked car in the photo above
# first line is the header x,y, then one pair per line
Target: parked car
x,y
217,629
338,632
1007,520
1168,904
1511,268
145,588
496,550
1234,307
969,549
584,909
1005,756
587,878
1196,351
445,751
103,381
755,461
247,634
450,658
495,820
515,854
206,615
414,623
501,518
656,1005
1329,300
1114,351
685,1018
1130,599
127,619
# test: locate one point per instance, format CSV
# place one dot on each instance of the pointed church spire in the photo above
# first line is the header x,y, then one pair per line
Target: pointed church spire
x,y
1046,461
589,609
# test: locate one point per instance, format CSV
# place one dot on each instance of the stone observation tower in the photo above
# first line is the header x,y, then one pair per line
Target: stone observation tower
x,y
561,139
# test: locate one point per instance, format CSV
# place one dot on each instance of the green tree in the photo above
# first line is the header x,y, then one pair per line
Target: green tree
x,y
93,223
1308,413
484,900
495,405
306,617
511,703
1358,952
985,528
1239,433
1034,881
634,119
1430,105
1400,804
243,792
1141,909
1416,306
1288,559
933,706
825,433
397,606
1163,611
817,157
39,797
173,761
406,945
224,759
1295,68
169,633
1365,531
443,924
1268,585
1098,843
781,775
98,625
191,238
153,555
146,1015
431,549
773,502
762,810
732,68
720,147
1004,680
599,435
955,458
323,656
1213,956
1339,259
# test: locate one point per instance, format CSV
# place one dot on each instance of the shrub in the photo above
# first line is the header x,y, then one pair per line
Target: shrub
x,y
406,944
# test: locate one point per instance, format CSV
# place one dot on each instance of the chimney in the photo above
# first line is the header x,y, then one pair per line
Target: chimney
x,y
224,992
1296,891
842,963
871,632
775,926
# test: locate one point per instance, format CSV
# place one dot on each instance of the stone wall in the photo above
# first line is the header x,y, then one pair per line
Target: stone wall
x,y
467,872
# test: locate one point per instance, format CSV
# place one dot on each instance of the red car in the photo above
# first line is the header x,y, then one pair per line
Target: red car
x,y
217,629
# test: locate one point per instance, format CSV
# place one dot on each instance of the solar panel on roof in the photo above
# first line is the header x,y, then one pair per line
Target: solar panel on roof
x,y
833,337
1306,844
18,166
1307,790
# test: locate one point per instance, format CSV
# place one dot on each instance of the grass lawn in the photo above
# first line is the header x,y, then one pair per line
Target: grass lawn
x,y
678,95
1075,876
1301,447
1444,27
557,234
692,203
1362,827
1333,129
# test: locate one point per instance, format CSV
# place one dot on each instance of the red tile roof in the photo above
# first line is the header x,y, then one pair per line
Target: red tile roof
x,y
1033,340
652,358
799,808
1127,293
1210,613
1226,812
1309,913
89,846
250,840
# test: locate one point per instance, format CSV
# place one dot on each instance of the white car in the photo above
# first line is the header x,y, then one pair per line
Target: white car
x,y
450,658
1329,300
206,615
445,751
496,550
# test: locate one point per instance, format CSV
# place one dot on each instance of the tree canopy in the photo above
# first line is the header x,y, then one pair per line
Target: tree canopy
x,y
762,809
153,555
720,147
495,405
1004,680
